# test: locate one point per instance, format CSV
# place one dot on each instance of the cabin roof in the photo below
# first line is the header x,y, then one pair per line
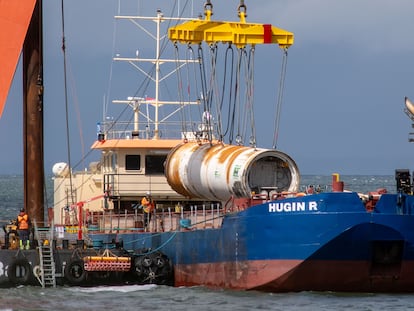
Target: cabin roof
x,y
136,143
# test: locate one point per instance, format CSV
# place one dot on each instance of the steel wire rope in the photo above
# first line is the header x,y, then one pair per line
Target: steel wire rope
x,y
180,92
165,42
86,155
109,89
245,112
213,60
143,86
237,112
184,115
90,151
229,48
205,96
239,136
111,67
212,92
280,97
233,104
250,96
140,90
66,101
203,79
72,199
180,88
199,91
248,112
146,80
189,48
80,186
190,51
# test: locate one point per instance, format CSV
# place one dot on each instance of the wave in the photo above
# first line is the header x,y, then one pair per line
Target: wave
x,y
120,289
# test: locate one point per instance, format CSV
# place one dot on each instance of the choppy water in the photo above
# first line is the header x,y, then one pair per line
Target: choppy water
x,y
152,297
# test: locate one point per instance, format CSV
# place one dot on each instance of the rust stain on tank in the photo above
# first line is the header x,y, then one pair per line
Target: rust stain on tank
x,y
207,158
211,152
173,172
220,153
178,155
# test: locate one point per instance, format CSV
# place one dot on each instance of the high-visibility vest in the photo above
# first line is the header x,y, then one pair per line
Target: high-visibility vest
x,y
147,204
23,222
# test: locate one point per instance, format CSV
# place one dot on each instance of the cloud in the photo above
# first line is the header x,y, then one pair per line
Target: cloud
x,y
366,26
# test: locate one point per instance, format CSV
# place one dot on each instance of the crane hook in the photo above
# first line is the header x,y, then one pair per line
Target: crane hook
x,y
242,7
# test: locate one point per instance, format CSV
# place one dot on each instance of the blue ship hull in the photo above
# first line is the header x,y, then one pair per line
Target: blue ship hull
x,y
326,241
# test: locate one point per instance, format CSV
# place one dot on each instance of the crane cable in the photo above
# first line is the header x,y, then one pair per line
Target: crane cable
x,y
213,92
230,52
180,92
66,104
237,99
280,97
250,97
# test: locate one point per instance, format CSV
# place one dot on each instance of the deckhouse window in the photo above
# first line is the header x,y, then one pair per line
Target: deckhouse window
x,y
132,162
154,164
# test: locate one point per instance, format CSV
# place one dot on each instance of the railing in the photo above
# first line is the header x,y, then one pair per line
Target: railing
x,y
130,221
164,219
167,130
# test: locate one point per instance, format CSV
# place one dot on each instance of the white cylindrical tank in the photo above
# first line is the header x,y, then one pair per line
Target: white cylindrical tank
x,y
219,171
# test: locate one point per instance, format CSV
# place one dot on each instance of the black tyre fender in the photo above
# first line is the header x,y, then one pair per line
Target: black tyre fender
x,y
147,261
138,268
160,261
75,272
20,271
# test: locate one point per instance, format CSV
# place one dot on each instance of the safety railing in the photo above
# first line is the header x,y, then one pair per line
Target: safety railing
x,y
161,220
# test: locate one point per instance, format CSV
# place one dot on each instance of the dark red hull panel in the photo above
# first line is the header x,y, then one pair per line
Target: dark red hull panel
x,y
296,275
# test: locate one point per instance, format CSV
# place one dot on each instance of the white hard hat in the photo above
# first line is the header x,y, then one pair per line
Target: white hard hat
x,y
148,193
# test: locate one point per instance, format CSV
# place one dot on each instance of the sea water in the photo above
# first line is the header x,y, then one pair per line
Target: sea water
x,y
154,297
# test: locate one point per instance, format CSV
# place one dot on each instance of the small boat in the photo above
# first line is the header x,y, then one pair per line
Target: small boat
x,y
219,211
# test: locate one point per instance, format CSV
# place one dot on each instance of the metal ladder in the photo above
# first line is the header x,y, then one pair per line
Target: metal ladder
x,y
46,274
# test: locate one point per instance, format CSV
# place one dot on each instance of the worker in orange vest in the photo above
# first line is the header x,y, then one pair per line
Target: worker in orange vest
x,y
23,227
147,204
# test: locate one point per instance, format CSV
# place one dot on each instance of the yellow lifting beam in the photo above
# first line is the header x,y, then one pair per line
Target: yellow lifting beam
x,y
237,33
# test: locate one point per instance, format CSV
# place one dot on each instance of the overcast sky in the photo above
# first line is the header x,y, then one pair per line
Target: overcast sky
x,y
348,72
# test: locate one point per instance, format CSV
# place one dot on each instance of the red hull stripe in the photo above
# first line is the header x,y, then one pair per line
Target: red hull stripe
x,y
297,275
241,275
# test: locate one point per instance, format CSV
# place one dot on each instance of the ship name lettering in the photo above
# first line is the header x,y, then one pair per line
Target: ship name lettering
x,y
281,207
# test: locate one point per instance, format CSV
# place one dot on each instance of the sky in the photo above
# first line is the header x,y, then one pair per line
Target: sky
x,y
348,72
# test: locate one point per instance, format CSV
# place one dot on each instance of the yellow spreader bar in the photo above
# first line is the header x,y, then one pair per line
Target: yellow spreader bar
x,y
237,33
